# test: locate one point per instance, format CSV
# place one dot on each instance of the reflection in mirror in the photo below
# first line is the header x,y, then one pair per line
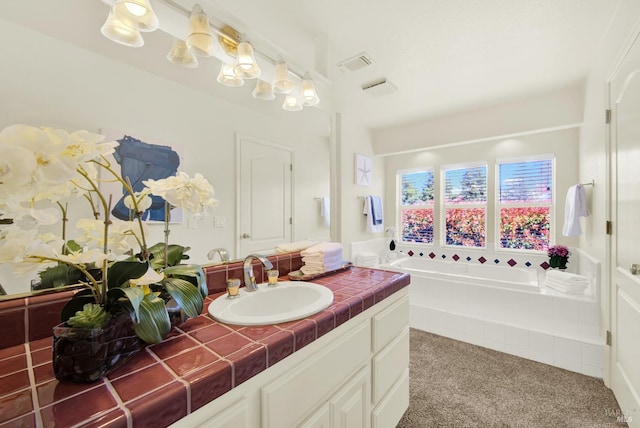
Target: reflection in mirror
x,y
72,78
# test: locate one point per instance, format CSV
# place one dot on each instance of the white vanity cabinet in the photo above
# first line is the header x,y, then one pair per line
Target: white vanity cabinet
x,y
354,376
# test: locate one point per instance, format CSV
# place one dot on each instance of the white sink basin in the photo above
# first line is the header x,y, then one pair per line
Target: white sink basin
x,y
287,301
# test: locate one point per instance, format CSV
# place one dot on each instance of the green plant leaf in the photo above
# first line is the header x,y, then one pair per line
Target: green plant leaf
x,y
187,296
73,246
175,254
60,275
192,273
135,295
74,305
154,323
121,272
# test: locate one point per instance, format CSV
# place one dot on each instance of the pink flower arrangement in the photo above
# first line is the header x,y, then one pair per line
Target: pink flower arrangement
x,y
558,250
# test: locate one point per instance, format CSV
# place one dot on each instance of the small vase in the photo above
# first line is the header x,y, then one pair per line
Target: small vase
x,y
558,262
85,355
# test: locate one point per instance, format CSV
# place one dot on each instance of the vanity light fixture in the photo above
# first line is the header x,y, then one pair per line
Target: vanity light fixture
x,y
117,31
136,14
228,77
127,18
282,82
263,91
292,102
182,54
246,65
200,38
309,94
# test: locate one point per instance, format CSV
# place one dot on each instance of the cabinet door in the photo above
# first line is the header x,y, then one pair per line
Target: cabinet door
x,y
232,417
320,419
350,405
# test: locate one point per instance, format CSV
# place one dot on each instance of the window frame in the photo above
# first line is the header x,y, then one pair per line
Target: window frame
x,y
444,205
498,206
400,206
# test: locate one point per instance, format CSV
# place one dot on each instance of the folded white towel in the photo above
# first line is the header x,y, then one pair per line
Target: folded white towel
x,y
294,246
320,261
563,289
566,285
312,270
324,249
566,276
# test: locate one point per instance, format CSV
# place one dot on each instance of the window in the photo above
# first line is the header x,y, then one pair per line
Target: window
x,y
525,192
416,206
465,206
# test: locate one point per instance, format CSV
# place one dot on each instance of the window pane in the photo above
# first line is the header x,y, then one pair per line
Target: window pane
x,y
417,225
466,186
525,182
525,228
417,188
465,227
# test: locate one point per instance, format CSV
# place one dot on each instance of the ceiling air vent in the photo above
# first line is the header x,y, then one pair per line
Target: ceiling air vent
x,y
359,61
379,88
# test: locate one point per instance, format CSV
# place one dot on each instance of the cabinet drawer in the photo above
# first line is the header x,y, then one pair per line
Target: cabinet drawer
x,y
284,405
389,323
392,407
389,364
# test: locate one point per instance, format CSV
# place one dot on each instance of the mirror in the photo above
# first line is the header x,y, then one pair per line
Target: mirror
x,y
71,77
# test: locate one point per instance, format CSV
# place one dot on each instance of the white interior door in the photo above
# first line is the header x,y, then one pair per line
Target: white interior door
x,y
625,287
264,197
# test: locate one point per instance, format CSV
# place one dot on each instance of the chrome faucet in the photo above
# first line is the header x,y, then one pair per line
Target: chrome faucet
x,y
224,256
247,267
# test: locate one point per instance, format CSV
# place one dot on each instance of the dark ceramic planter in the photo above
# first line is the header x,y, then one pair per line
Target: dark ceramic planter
x,y
86,355
558,262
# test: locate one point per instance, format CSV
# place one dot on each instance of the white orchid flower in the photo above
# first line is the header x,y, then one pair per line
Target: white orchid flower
x,y
143,200
193,195
150,277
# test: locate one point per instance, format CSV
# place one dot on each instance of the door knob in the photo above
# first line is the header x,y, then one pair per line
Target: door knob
x,y
245,236
635,269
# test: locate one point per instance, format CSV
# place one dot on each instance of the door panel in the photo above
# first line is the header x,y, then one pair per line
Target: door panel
x,y
625,209
264,199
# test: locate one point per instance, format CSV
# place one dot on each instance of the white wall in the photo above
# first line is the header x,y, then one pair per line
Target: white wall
x,y
563,144
559,108
355,139
46,82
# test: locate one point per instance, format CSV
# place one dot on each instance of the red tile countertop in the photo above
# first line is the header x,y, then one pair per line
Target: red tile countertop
x,y
199,361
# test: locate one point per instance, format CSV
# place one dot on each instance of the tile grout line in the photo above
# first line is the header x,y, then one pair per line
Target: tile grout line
x,y
175,376
118,399
34,392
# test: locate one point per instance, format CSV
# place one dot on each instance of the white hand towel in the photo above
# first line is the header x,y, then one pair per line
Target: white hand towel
x,y
325,211
575,207
374,221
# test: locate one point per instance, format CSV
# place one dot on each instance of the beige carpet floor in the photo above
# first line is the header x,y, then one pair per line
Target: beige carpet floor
x,y
456,384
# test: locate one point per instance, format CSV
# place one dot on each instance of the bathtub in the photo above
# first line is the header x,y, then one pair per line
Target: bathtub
x,y
472,274
504,308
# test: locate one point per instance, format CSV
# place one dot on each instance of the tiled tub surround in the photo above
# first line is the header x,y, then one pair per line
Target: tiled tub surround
x,y
200,361
538,324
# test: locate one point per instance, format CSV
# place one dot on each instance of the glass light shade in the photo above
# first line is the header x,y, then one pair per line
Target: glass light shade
x,y
227,76
200,38
116,31
282,83
263,91
182,55
137,14
309,94
246,65
292,103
